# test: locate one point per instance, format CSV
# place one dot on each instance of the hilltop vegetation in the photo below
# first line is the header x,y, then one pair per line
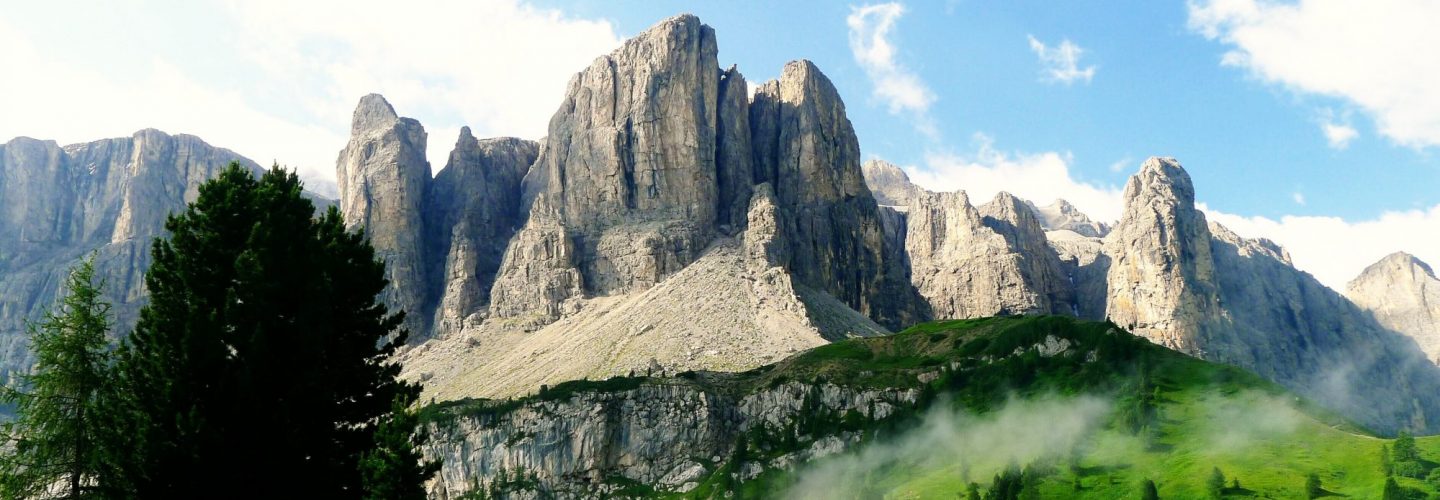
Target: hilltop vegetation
x,y
1037,405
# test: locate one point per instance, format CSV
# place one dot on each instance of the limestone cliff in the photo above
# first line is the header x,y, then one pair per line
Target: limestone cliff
x,y
110,197
889,184
473,209
1404,296
383,177
1162,277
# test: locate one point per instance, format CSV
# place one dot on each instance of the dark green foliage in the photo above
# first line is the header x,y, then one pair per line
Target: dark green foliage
x,y
1404,450
1148,491
1411,469
972,491
1007,484
261,366
1313,489
1215,486
1386,465
60,433
394,469
1392,490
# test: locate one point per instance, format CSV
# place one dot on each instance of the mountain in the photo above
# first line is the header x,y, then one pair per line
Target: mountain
x,y
1092,409
108,197
889,183
1403,295
668,222
1062,216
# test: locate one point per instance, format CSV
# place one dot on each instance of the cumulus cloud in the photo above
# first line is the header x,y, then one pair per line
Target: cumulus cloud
x,y
1061,64
294,71
1373,54
1038,177
874,49
1336,250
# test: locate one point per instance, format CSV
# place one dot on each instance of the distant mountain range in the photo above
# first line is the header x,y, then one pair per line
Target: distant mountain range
x,y
671,222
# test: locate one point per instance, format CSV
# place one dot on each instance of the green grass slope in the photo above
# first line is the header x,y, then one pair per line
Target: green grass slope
x,y
1074,409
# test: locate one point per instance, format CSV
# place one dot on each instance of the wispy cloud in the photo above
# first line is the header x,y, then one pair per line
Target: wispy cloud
x,y
1061,64
872,44
1299,197
1372,54
1338,135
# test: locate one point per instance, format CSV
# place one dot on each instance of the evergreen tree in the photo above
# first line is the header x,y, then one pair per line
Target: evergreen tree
x,y
1392,490
1148,491
1007,485
1386,465
1404,450
1313,489
395,470
1215,486
972,492
59,434
261,366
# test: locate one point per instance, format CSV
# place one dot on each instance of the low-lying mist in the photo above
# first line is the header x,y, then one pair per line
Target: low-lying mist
x,y
1021,431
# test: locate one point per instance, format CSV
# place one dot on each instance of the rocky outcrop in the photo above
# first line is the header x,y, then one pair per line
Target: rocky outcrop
x,y
733,160
1162,277
968,264
383,177
888,183
629,163
667,436
1402,293
109,197
806,148
1085,268
473,209
1061,215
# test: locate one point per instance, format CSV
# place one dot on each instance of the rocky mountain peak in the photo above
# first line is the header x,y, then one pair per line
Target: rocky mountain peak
x,y
1162,278
383,177
888,183
1403,295
1061,215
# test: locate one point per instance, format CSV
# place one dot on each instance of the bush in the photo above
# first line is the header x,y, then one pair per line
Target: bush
x,y
1411,469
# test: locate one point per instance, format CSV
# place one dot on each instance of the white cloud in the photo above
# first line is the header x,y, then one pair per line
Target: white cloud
x,y
294,71
1336,250
1375,54
900,88
1040,178
1298,197
1339,135
1061,64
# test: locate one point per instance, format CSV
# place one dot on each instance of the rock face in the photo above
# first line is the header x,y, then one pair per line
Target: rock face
x,y
1061,215
665,436
109,197
1404,296
968,262
889,184
383,177
806,148
629,164
472,211
1161,276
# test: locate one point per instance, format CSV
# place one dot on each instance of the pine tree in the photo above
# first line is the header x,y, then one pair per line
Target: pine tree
x,y
395,470
261,365
972,492
1313,489
1404,450
1392,490
1215,486
59,433
1386,465
1148,491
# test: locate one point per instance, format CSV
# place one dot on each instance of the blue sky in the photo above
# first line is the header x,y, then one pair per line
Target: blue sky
x,y
963,94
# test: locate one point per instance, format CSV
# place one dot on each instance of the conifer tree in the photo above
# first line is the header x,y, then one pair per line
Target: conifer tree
x,y
261,366
1148,491
1215,486
57,439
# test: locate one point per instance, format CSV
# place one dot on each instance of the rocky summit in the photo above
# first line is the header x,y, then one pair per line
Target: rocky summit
x,y
1403,294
